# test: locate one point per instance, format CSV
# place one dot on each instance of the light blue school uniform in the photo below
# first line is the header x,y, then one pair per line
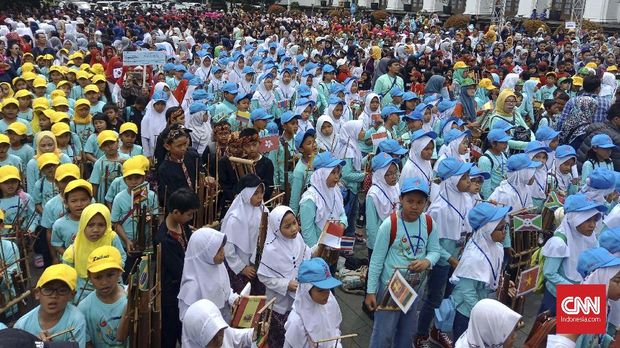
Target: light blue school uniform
x,y
135,150
25,204
53,210
33,174
467,292
13,160
373,221
496,165
25,153
72,317
98,107
64,231
102,320
309,229
589,166
44,191
553,270
10,251
299,182
51,87
25,115
235,125
278,159
115,188
77,92
351,176
104,172
92,146
4,126
83,131
123,205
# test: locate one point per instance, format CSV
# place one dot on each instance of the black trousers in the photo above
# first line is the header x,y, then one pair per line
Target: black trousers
x,y
170,326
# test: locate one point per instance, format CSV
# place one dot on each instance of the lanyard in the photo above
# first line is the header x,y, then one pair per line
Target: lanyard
x,y
418,237
321,195
393,204
453,207
501,163
421,171
519,195
489,261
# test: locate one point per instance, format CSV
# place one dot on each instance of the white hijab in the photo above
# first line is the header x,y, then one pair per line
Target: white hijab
x,y
449,209
318,322
348,144
201,131
451,149
602,276
612,220
242,221
172,100
328,201
325,142
510,82
563,180
482,258
366,115
286,90
201,323
490,324
265,97
514,190
416,166
575,242
202,278
597,195
204,72
539,187
608,86
384,196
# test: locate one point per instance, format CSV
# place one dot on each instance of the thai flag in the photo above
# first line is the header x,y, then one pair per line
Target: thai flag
x,y
347,244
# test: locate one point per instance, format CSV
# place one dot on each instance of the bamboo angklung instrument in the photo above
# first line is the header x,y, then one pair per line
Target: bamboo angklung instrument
x,y
242,166
262,235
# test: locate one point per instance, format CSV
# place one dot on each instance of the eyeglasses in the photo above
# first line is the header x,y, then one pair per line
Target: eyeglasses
x,y
394,174
62,291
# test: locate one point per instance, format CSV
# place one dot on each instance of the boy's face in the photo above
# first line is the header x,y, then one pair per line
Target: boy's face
x,y
111,113
9,187
110,147
251,149
291,127
76,201
178,119
63,183
128,137
185,217
320,296
105,282
260,124
413,204
40,91
178,147
49,170
10,111
257,198
243,104
53,297
133,180
24,102
99,125
4,150
308,147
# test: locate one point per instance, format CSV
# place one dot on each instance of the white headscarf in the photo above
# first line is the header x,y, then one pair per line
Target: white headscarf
x,y
563,180
317,321
204,72
338,124
201,323
384,196
510,82
478,253
242,221
514,190
575,242
201,131
286,90
201,249
172,100
416,166
324,142
451,149
490,324
348,144
597,195
263,96
539,187
449,209
366,115
328,201
608,85
602,276
612,219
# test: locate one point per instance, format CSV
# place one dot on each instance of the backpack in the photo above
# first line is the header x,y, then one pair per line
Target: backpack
x,y
394,226
539,260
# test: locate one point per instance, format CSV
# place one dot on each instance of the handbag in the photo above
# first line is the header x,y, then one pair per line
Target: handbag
x,y
543,327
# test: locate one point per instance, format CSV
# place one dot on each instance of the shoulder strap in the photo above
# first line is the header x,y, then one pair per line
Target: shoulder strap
x,y
429,224
490,160
560,235
393,227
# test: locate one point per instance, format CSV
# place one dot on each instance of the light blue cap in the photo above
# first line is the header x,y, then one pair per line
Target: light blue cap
x,y
484,212
260,114
423,133
580,202
301,136
197,107
450,167
391,109
407,96
391,146
546,133
521,161
477,172
396,92
454,134
316,272
382,160
334,100
610,239
498,135
594,258
536,146
602,179
230,87
564,151
414,184
287,117
327,160
415,115
602,141
240,97
445,105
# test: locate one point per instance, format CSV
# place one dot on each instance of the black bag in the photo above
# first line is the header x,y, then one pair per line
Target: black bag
x,y
521,133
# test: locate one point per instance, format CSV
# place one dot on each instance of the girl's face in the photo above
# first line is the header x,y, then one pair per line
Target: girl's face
x,y
243,104
602,154
391,176
541,157
286,78
333,178
567,166
554,143
500,146
414,125
9,187
289,226
471,91
63,140
427,153
475,185
260,124
305,115
128,138
46,145
463,146
220,256
10,111
337,113
15,138
374,104
95,228
44,122
76,201
100,125
587,227
499,233
249,77
320,296
464,183
291,127
257,198
354,88
613,292
24,102
49,170
268,83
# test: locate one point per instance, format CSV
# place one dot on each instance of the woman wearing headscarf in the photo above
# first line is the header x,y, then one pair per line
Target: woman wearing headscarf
x,y
491,324
608,87
468,101
505,109
435,87
203,326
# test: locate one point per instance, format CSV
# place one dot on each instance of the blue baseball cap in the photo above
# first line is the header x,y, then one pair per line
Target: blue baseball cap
x,y
407,96
180,67
536,146
581,202
300,58
451,121
546,133
521,161
301,136
160,96
382,160
445,105
327,160
594,258
396,92
337,88
423,133
602,179
168,67
216,69
248,70
415,115
502,124
498,135
273,45
414,184
260,114
304,92
484,212
334,100
188,76
328,69
240,97
455,133
564,151
287,117
610,239
433,100
304,101
316,272
602,141
200,94
281,52
230,87
196,81
391,146
197,107
450,167
422,106
391,109
477,172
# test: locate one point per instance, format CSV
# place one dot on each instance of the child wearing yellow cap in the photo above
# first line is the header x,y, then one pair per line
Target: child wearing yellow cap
x,y
55,314
129,133
94,231
82,119
91,148
91,93
8,258
10,108
6,158
107,167
55,77
45,142
18,205
45,187
20,146
77,195
119,184
24,97
107,303
125,213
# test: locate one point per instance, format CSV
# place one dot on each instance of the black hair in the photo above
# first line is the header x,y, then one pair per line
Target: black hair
x,y
100,116
109,106
564,96
613,111
141,100
66,194
182,200
248,132
173,133
392,61
171,111
250,180
591,84
548,103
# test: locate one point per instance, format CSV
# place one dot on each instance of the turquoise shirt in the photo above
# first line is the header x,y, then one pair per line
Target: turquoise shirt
x,y
91,146
33,174
71,318
83,131
44,191
496,165
299,182
235,124
135,150
278,159
115,188
102,320
554,274
98,107
223,110
467,293
77,92
25,204
545,93
384,84
64,231
13,160
309,229
351,176
386,258
123,204
104,172
25,115
373,221
25,153
53,210
589,166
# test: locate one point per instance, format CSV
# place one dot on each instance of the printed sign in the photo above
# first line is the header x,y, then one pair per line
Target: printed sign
x,y
402,293
570,25
132,58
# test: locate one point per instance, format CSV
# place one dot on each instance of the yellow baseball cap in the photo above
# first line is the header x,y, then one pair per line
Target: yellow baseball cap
x,y
97,68
91,88
85,67
18,128
128,126
104,257
27,67
63,82
8,172
60,128
612,68
28,54
98,78
460,65
82,75
29,76
76,55
67,170
577,80
486,83
17,79
40,102
58,116
8,101
133,166
56,68
60,100
4,139
81,102
1,215
591,65
47,158
57,93
39,82
49,113
79,183
48,57
22,93
106,135
62,272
